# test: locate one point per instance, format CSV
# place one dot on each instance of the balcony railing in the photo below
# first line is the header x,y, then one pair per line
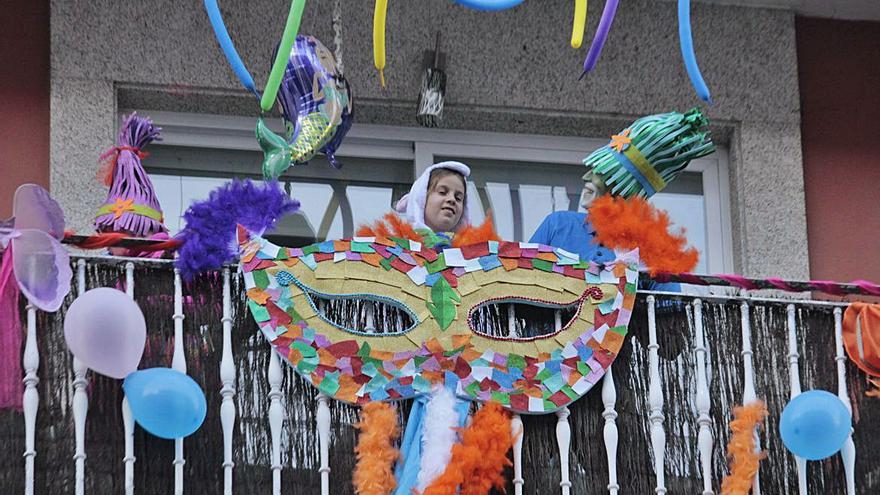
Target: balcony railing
x,y
659,424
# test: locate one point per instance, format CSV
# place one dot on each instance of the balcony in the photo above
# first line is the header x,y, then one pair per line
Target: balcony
x,y
665,410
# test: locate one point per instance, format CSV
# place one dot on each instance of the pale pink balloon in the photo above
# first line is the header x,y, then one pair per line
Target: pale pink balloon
x,y
105,329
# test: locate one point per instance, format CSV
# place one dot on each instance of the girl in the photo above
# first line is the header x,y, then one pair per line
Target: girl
x,y
435,211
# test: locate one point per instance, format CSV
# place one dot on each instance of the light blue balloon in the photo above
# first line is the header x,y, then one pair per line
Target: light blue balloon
x,y
815,424
165,402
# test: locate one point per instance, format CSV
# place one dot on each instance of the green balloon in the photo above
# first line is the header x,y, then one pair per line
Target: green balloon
x,y
290,31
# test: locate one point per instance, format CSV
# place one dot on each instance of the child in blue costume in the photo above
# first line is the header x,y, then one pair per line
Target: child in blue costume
x,y
668,143
571,231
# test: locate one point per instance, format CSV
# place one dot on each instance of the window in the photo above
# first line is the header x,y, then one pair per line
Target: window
x,y
519,178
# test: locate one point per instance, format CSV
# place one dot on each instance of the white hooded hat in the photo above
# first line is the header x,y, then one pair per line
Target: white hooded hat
x,y
412,205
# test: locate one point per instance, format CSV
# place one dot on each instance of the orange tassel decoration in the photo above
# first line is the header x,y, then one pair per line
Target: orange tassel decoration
x,y
478,461
626,224
375,451
475,235
392,225
744,460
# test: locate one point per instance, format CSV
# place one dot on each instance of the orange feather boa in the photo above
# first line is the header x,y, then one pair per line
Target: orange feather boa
x,y
374,472
478,461
744,461
392,225
626,224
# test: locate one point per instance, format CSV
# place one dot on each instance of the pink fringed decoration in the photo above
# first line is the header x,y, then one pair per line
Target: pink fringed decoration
x,y
781,284
10,337
828,287
129,181
868,287
739,281
690,278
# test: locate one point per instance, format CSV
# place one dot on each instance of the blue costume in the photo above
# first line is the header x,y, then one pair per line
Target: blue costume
x,y
571,231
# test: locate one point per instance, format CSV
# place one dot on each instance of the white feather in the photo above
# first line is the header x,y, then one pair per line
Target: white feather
x,y
438,436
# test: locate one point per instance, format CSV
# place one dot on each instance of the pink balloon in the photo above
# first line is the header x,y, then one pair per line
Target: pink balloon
x,y
105,329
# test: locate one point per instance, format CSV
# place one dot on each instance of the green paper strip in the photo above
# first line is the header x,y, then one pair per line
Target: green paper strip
x,y
260,313
261,279
291,28
516,361
543,265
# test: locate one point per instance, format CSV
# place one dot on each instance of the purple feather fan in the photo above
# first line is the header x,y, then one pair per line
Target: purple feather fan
x,y
132,206
209,239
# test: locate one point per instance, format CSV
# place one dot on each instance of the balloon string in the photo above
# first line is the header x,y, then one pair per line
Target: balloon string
x,y
337,35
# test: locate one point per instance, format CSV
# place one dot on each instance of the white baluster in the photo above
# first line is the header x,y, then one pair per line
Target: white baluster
x,y
80,398
795,386
322,417
31,398
276,416
749,377
703,402
127,418
178,362
563,429
848,452
227,377
563,438
655,401
609,432
516,426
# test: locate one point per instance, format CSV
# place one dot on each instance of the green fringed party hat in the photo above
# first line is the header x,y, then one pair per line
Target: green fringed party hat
x,y
650,153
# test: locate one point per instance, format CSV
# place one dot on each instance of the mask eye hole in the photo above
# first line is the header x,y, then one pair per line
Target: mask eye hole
x,y
521,319
362,314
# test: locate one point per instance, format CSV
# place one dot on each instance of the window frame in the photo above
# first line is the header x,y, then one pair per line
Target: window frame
x,y
422,145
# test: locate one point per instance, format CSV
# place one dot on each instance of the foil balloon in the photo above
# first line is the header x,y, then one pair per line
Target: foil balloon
x,y
316,107
434,318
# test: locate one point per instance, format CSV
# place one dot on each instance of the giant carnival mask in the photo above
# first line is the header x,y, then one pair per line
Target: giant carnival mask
x,y
434,318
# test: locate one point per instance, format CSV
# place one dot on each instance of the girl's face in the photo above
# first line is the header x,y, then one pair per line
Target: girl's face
x,y
444,204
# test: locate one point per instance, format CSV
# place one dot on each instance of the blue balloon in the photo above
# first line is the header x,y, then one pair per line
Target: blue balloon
x,y
686,40
228,47
165,402
489,5
815,424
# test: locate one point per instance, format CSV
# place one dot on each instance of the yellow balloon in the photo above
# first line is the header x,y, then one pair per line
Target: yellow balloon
x,y
580,19
379,38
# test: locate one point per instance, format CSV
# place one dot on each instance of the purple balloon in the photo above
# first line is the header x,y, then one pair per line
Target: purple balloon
x,y
600,36
42,268
105,329
35,209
